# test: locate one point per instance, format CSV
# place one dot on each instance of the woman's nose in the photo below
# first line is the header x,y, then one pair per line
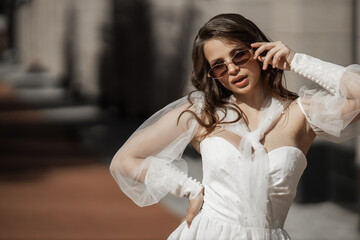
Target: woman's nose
x,y
232,68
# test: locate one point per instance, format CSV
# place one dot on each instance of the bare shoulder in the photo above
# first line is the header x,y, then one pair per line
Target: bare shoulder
x,y
303,134
295,111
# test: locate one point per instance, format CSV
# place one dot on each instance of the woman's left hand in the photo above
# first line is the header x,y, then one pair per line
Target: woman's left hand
x,y
194,207
276,54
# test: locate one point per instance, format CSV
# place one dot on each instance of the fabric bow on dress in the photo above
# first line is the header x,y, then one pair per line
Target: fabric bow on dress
x,y
253,189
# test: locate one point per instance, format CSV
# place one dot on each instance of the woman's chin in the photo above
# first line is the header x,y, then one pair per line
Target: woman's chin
x,y
242,90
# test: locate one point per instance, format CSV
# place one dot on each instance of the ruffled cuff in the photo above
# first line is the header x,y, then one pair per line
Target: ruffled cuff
x,y
326,74
162,177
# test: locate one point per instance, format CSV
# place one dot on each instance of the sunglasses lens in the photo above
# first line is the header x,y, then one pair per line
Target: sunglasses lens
x,y
241,58
218,71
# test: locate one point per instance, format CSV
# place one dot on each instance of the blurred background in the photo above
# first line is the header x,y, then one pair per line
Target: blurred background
x,y
78,76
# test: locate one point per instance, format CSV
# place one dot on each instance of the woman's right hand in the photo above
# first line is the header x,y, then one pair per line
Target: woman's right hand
x,y
277,54
194,207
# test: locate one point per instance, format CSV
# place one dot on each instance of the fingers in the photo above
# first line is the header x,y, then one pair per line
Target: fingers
x,y
269,57
261,47
194,208
277,54
190,215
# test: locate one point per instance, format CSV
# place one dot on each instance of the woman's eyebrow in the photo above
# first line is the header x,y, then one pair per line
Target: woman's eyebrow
x,y
239,48
232,52
216,61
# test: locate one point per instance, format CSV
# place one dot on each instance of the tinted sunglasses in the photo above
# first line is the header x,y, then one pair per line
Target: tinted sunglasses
x,y
239,59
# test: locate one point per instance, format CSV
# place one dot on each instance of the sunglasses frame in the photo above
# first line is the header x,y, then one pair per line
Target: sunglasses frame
x,y
231,61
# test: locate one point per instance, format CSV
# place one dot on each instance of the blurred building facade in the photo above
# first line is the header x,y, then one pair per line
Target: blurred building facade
x,y
54,33
134,56
149,42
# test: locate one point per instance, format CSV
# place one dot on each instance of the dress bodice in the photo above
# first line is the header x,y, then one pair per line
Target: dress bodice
x,y
223,175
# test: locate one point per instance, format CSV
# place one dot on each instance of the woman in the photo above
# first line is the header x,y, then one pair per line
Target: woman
x,y
252,133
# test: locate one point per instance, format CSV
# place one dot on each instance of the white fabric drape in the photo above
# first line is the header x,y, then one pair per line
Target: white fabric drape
x,y
331,107
254,170
159,143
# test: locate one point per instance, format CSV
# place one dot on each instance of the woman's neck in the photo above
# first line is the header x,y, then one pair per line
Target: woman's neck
x,y
253,100
250,104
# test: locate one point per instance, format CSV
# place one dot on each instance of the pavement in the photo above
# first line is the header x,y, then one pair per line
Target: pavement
x,y
55,183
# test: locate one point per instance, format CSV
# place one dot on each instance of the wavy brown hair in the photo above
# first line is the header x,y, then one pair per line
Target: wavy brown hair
x,y
237,29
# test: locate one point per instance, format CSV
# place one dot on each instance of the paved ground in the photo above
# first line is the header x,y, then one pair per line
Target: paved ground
x,y
53,188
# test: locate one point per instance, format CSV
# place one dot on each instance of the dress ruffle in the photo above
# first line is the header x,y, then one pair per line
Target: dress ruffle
x,y
206,226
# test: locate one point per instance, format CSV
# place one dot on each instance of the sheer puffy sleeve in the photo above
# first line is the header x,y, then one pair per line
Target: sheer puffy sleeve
x,y
149,165
332,106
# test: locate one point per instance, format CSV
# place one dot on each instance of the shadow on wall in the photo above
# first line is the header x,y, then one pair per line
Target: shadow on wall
x,y
125,74
125,65
69,82
138,75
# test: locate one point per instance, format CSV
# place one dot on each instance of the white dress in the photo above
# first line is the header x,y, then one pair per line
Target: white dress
x,y
216,220
248,191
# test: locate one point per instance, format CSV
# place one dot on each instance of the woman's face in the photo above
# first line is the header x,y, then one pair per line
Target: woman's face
x,y
239,80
